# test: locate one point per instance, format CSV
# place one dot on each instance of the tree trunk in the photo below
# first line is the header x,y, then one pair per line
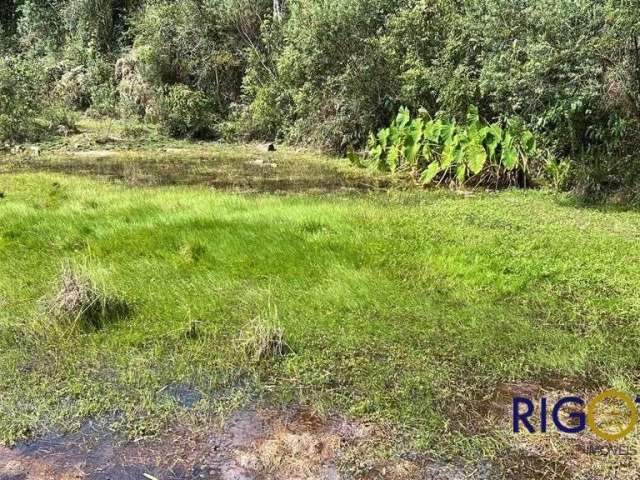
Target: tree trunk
x,y
277,9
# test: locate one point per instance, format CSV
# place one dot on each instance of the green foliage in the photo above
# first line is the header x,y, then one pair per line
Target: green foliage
x,y
324,76
96,23
557,171
566,70
184,112
20,82
27,111
198,44
328,73
41,26
84,80
60,119
400,311
441,148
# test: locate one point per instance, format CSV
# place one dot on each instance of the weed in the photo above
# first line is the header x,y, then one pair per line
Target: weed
x,y
263,339
79,301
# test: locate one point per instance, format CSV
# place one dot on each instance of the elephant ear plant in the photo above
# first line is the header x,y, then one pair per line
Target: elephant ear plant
x,y
442,150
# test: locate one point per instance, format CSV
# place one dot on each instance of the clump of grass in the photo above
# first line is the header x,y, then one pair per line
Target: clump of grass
x,y
78,301
193,251
263,339
193,331
57,193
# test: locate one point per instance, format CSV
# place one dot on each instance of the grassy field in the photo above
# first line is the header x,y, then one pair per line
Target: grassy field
x,y
408,308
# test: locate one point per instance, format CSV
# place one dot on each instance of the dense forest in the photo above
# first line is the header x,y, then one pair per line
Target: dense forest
x,y
328,73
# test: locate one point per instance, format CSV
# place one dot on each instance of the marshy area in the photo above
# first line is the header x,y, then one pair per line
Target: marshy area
x,y
177,309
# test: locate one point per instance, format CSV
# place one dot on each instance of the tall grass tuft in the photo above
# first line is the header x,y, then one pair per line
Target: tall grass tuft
x,y
79,302
263,339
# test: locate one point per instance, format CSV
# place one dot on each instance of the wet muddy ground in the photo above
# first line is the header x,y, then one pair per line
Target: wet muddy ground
x,y
254,444
295,444
251,172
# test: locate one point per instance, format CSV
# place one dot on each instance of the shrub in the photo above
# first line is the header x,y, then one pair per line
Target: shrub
x,y
441,148
60,120
201,45
20,82
86,82
327,73
104,100
135,95
184,112
324,77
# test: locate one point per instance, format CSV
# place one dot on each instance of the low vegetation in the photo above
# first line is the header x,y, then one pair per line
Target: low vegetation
x,y
152,267
438,148
78,302
406,308
263,339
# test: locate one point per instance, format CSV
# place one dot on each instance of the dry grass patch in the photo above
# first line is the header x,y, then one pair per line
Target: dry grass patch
x,y
263,339
80,302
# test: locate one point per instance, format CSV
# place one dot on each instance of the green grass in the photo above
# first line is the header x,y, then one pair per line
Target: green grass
x,y
401,307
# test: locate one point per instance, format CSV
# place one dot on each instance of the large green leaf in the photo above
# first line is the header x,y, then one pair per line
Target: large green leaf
x,y
448,154
427,151
392,157
509,157
432,131
415,130
473,119
448,130
492,139
430,172
507,142
411,153
383,137
528,142
403,117
476,157
412,141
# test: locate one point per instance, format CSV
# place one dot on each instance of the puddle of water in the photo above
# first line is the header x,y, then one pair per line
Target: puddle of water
x,y
223,174
183,395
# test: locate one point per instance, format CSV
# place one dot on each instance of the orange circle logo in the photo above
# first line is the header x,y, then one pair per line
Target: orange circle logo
x,y
614,395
